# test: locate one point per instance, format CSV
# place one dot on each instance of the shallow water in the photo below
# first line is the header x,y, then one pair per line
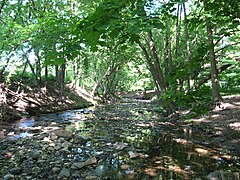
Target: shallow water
x,y
132,141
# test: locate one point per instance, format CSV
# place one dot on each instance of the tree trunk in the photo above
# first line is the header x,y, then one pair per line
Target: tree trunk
x,y
2,5
187,44
46,73
11,54
158,69
167,56
38,66
216,97
178,29
151,66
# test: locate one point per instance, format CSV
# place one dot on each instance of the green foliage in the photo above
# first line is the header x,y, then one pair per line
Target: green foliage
x,y
194,100
98,43
201,100
20,80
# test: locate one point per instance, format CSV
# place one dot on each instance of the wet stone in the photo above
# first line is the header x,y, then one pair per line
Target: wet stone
x,y
50,148
57,148
15,170
55,170
36,170
77,165
64,173
66,145
8,177
41,161
36,154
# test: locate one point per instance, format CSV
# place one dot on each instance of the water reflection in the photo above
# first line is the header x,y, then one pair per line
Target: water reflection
x,y
26,123
21,135
159,150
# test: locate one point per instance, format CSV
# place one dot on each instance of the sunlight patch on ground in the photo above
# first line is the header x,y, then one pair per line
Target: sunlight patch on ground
x,y
182,141
235,126
215,116
204,119
202,151
151,124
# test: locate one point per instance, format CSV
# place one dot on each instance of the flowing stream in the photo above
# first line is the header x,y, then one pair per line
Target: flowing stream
x,y
125,140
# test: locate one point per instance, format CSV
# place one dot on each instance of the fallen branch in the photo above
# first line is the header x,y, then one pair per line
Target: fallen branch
x,y
20,97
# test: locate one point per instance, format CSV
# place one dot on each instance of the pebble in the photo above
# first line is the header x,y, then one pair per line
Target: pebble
x,y
21,153
40,161
36,154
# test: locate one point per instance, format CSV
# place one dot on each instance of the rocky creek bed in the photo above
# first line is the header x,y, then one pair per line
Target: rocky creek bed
x,y
125,140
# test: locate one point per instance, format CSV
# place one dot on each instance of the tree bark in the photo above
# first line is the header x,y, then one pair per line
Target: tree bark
x,y
188,52
216,97
178,30
158,69
151,66
46,73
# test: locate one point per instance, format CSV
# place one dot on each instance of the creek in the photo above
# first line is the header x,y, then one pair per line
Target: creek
x,y
124,140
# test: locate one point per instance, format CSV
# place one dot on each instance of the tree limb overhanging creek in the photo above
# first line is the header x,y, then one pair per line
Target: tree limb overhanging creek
x,y
124,140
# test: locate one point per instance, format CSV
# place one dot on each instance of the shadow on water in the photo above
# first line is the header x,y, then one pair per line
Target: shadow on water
x,y
130,141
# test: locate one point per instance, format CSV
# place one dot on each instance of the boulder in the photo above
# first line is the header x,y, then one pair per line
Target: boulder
x,y
54,135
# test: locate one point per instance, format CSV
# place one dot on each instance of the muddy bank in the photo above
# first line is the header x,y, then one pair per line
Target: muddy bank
x,y
33,100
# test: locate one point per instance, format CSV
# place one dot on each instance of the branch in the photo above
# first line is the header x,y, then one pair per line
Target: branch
x,y
219,39
225,35
229,45
219,70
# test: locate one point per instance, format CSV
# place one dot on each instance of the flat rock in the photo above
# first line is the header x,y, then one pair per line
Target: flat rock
x,y
61,133
64,173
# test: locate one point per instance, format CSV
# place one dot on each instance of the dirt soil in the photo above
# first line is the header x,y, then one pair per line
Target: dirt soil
x,y
223,123
16,102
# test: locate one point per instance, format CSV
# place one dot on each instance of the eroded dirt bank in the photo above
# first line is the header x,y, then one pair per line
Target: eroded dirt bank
x,y
18,101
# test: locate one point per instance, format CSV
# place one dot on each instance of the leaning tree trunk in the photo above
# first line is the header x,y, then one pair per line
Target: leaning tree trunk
x,y
151,66
158,69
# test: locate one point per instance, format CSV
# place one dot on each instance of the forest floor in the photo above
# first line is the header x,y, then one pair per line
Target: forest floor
x,y
223,123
